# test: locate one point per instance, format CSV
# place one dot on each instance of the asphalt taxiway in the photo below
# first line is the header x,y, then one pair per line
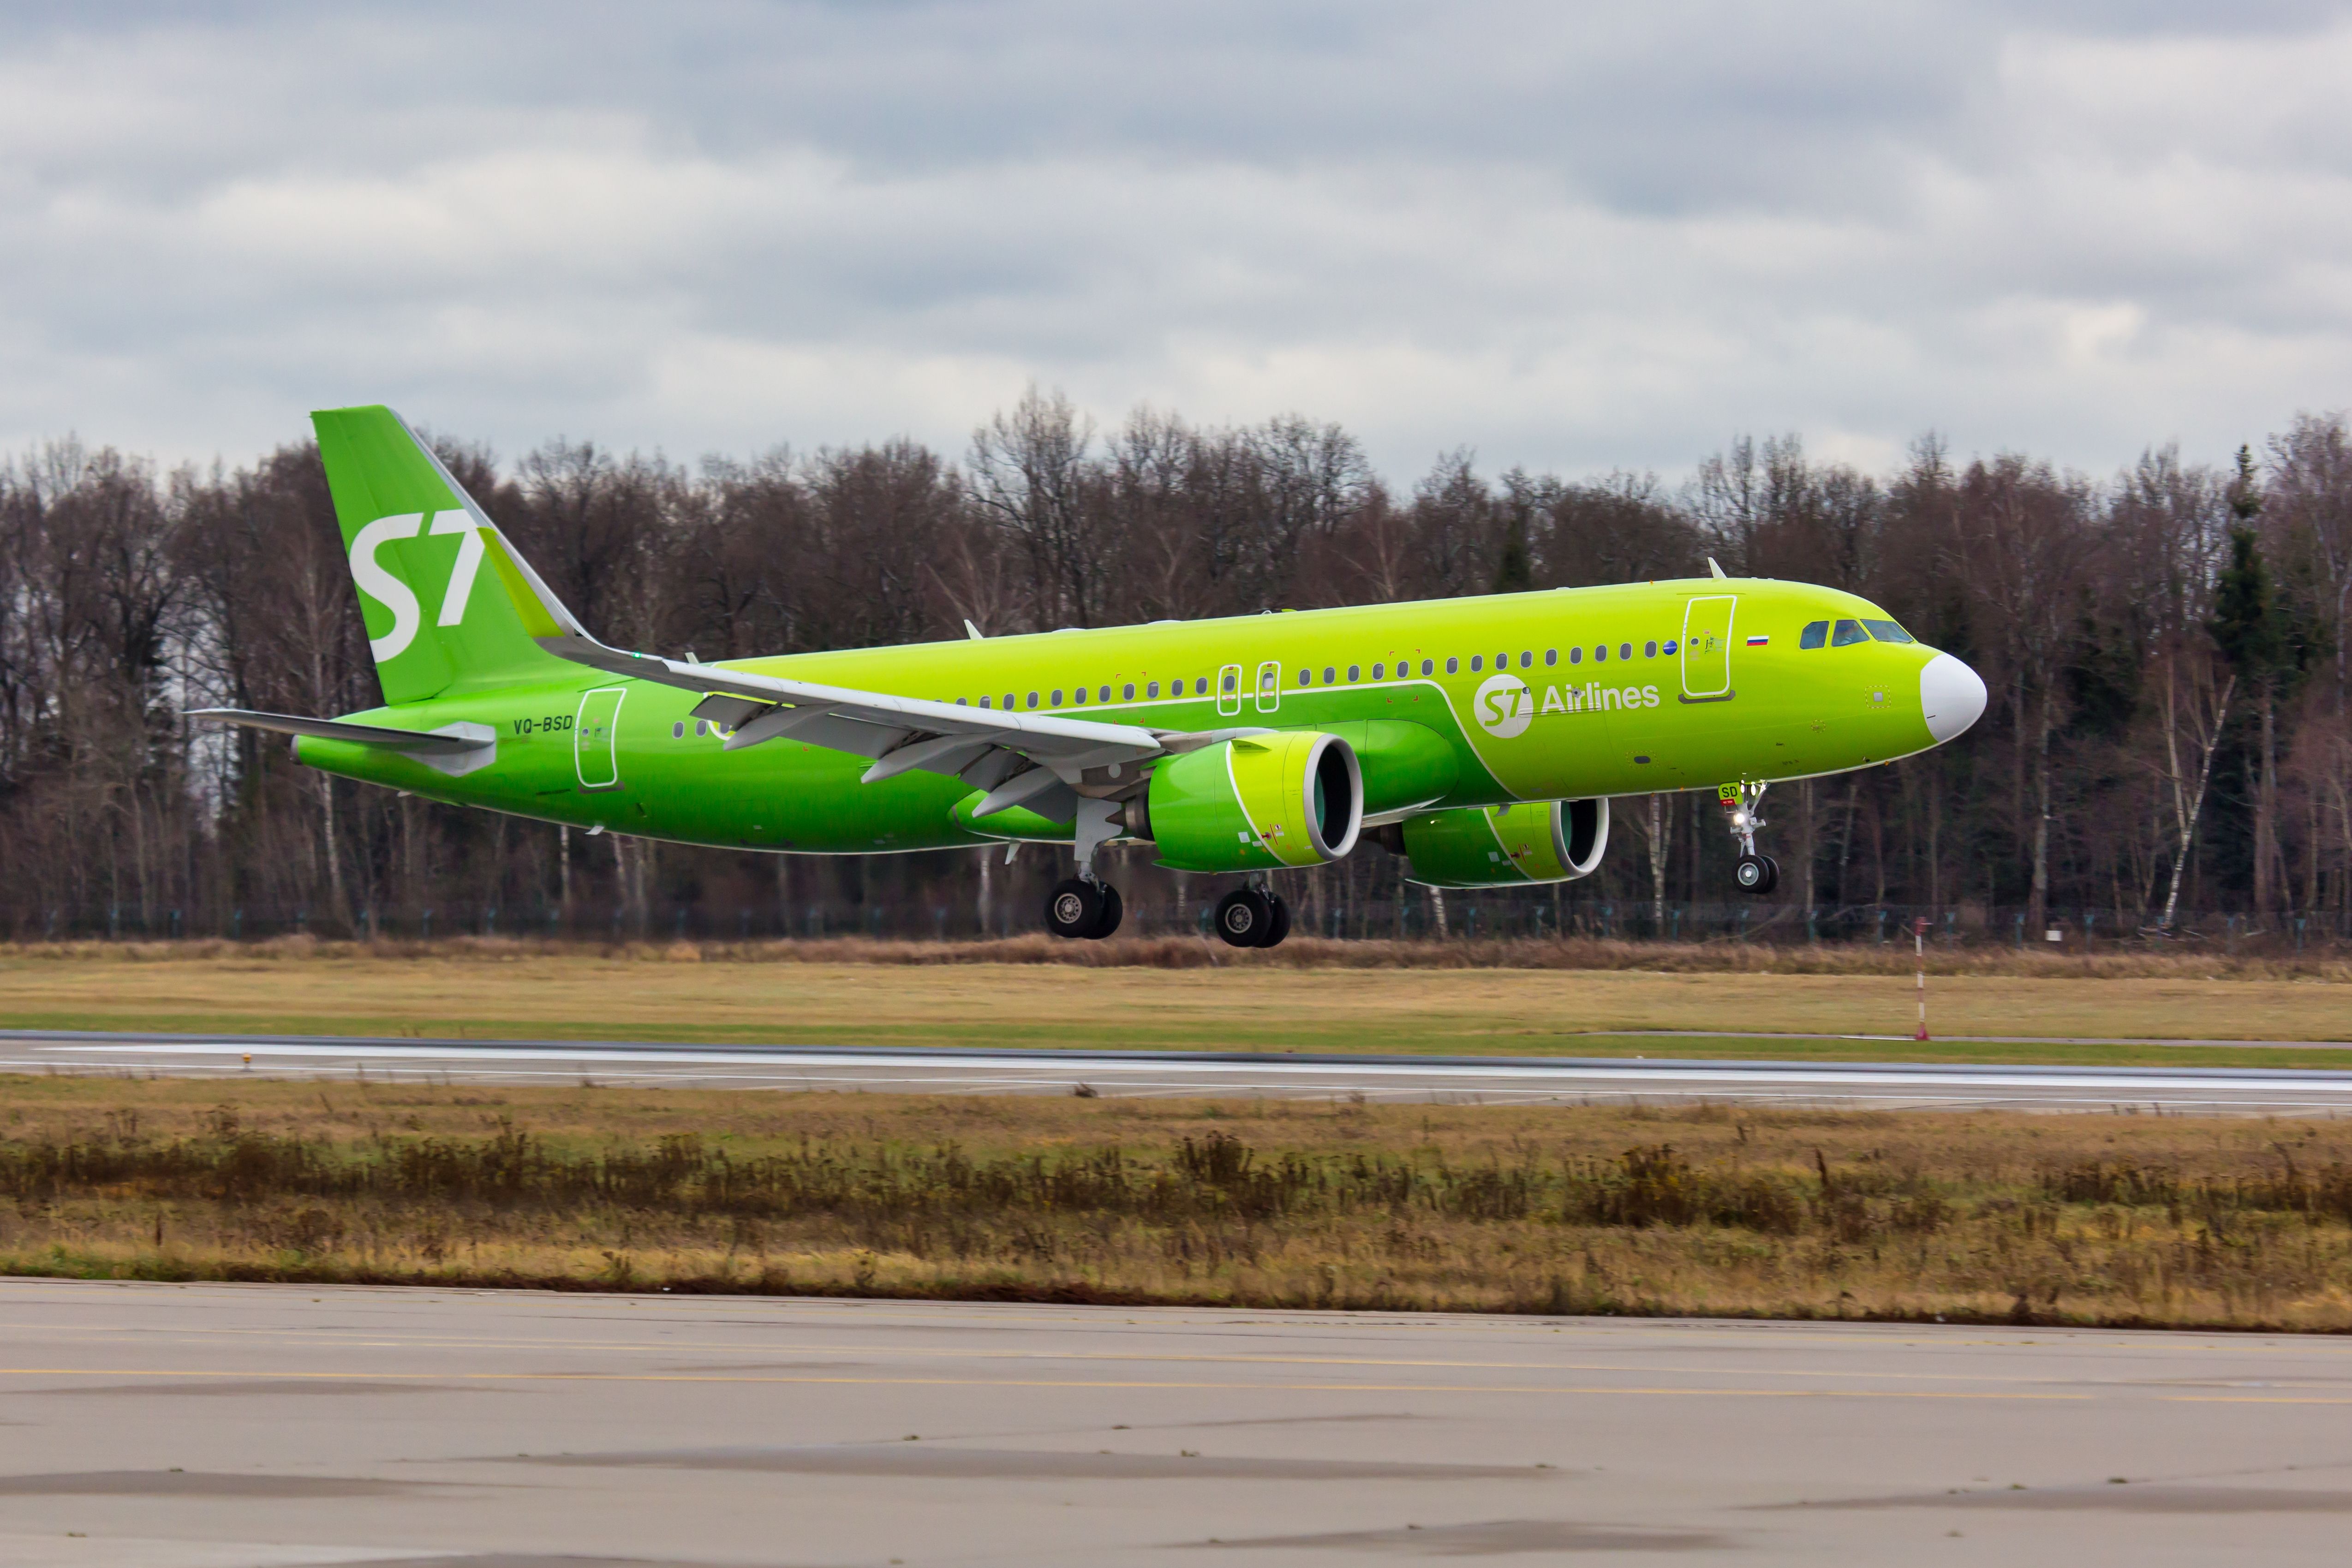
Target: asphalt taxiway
x,y
956,1071
270,1426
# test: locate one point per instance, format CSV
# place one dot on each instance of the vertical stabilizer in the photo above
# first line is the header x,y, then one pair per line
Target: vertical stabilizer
x,y
449,605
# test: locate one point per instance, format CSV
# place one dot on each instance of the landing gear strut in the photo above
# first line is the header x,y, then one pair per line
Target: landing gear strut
x,y
1755,873
1253,917
1085,904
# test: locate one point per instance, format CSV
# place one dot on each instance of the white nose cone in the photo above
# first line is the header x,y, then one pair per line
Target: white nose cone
x,y
1951,696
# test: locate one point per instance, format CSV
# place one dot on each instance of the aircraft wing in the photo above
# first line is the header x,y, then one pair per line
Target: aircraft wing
x,y
1040,760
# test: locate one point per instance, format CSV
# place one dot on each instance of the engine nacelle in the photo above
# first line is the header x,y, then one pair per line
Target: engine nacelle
x,y
1259,802
1502,846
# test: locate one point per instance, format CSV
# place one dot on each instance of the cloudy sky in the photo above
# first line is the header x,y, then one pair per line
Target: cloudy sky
x,y
1572,236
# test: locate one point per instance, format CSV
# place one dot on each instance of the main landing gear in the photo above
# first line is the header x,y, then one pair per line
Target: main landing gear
x,y
1080,907
1755,873
1085,904
1253,917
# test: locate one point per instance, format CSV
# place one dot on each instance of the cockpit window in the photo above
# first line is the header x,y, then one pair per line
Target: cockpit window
x,y
1816,635
1887,631
1848,633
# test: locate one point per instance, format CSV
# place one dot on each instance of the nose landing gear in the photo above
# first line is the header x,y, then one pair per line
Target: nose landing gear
x,y
1755,873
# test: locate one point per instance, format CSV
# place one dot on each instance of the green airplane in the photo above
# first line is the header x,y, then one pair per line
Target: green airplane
x,y
1478,739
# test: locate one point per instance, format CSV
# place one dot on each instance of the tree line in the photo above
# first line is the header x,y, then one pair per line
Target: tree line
x,y
2165,648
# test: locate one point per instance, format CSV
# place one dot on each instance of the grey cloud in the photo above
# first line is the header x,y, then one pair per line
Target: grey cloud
x,y
1584,237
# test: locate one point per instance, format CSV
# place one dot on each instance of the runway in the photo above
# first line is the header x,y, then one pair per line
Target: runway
x,y
266,1427
943,1070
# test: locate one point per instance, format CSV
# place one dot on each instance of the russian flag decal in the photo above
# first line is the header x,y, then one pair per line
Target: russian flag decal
x,y
1758,642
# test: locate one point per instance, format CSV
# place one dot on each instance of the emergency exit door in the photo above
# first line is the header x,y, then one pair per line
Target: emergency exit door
x,y
1270,687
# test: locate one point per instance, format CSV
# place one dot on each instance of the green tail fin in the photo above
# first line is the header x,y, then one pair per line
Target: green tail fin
x,y
436,621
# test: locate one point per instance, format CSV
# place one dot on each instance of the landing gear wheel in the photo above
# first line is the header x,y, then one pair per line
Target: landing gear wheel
x,y
1754,874
1113,909
1280,928
1074,908
1244,917
1771,873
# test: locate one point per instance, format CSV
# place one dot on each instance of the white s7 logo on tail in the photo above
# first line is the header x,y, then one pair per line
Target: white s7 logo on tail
x,y
395,595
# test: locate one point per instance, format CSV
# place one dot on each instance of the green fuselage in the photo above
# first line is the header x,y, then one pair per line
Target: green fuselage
x,y
628,756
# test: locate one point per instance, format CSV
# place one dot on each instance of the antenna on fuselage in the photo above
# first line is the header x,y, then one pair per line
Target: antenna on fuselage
x,y
978,638
1710,567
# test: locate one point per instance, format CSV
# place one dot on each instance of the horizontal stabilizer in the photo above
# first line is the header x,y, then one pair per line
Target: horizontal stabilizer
x,y
454,741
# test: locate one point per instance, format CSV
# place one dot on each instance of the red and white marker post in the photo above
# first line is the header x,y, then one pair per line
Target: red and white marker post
x,y
1919,945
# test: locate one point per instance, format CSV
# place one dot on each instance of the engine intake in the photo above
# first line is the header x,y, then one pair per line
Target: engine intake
x,y
1502,846
1259,802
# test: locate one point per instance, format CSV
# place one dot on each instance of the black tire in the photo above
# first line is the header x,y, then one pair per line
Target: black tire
x,y
1753,873
1113,909
1279,927
1771,873
1074,908
1244,917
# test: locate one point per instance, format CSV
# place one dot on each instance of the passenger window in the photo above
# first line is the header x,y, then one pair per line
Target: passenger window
x,y
1355,673
1152,690
1378,670
1329,674
701,726
1103,696
1601,654
1009,702
1848,633
1624,650
1576,656
1551,657
1428,668
1033,699
1527,659
1452,665
983,702
1888,632
1478,663
1650,649
1816,635
1233,682
677,730
1058,697
1081,695
1126,692
1306,677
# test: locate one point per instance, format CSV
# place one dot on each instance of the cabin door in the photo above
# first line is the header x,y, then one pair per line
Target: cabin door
x,y
596,738
1706,648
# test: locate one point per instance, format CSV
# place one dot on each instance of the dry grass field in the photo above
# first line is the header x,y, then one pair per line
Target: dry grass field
x,y
1309,996
2100,1218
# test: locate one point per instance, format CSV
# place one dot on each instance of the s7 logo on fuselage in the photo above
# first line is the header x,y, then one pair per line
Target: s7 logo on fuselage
x,y
1504,706
395,595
